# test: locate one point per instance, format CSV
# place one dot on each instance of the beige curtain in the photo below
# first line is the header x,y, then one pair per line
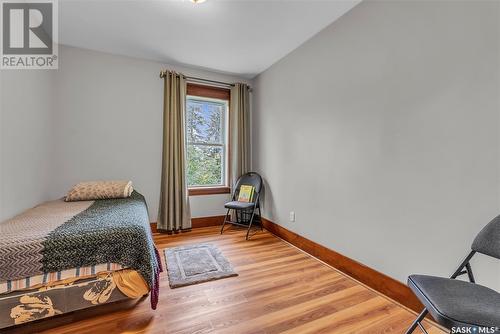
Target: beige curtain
x,y
240,131
174,213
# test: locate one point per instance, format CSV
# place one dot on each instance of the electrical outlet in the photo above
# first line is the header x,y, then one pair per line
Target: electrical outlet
x,y
292,216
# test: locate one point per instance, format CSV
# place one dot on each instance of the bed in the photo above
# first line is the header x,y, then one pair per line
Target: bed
x,y
64,256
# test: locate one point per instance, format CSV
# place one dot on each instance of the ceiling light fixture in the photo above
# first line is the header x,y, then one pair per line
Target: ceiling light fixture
x,y
198,1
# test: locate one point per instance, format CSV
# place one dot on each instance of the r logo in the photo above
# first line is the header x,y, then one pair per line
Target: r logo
x,y
27,28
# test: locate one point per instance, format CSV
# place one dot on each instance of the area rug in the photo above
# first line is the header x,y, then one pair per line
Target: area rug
x,y
193,264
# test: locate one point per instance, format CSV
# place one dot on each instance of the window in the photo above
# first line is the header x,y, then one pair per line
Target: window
x,y
206,139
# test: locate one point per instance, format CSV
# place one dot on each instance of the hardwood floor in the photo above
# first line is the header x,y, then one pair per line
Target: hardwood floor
x,y
279,290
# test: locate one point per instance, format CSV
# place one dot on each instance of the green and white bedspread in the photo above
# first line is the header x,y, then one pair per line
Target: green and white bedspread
x,y
60,235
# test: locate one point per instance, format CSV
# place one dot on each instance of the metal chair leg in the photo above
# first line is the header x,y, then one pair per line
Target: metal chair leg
x,y
260,218
416,323
224,223
469,273
463,265
250,224
422,328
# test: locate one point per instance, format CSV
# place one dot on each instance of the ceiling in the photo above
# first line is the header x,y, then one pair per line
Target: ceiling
x,y
239,37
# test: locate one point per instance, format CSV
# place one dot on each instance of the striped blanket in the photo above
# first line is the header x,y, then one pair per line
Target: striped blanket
x,y
55,277
58,235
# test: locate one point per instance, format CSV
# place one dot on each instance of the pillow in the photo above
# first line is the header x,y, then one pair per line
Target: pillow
x,y
87,191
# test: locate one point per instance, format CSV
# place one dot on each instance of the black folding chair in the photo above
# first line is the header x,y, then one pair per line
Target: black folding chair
x,y
459,304
244,209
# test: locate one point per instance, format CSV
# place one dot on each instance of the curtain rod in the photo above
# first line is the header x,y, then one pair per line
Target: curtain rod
x,y
210,81
227,84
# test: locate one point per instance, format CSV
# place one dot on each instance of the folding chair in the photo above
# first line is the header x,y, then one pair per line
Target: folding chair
x,y
459,304
244,208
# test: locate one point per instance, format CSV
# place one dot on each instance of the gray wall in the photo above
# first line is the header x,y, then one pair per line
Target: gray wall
x,y
382,134
109,124
26,110
99,116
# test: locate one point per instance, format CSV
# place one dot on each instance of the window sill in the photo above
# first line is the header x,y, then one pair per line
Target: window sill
x,y
208,191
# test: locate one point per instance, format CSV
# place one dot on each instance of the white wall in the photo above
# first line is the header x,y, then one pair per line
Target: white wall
x,y
2,211
382,134
109,124
26,128
99,116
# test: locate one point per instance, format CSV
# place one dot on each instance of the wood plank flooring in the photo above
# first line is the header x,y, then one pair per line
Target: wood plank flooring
x,y
279,290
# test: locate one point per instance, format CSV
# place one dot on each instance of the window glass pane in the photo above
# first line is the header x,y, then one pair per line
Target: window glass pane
x,y
204,121
205,165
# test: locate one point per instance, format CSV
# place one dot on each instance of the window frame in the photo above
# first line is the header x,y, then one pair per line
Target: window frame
x,y
217,93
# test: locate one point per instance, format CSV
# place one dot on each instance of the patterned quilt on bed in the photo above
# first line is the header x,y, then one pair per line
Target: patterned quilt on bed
x,y
60,235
